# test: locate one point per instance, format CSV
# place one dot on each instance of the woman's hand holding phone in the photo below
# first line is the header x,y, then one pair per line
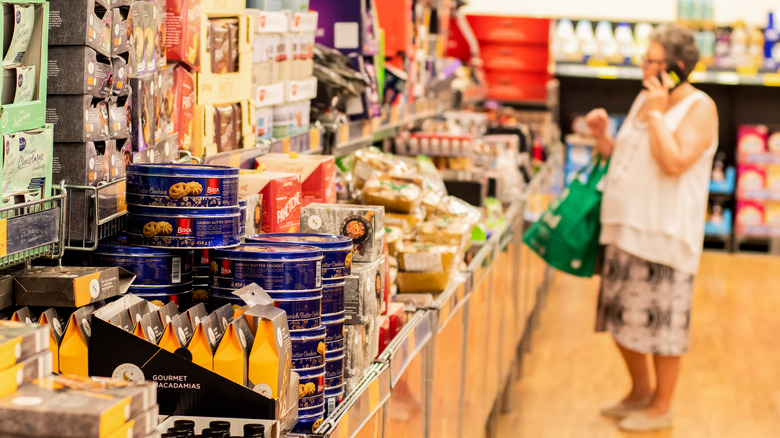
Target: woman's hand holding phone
x,y
657,93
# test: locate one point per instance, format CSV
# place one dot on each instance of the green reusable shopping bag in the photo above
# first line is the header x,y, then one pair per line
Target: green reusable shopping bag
x,y
567,234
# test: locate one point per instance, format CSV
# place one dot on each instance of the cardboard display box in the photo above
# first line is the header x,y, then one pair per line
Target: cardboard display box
x,y
317,172
28,115
69,286
20,341
118,126
27,165
81,164
364,223
184,387
81,23
205,141
216,88
79,70
280,199
222,8
78,119
36,367
183,32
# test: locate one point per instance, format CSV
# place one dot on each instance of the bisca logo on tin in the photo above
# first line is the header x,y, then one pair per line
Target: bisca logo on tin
x,y
184,226
227,268
212,186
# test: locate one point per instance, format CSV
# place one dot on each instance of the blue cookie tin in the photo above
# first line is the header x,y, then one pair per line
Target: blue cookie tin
x,y
334,331
273,267
181,294
311,388
202,262
333,295
182,185
337,250
308,347
309,419
151,266
216,301
334,367
333,398
182,227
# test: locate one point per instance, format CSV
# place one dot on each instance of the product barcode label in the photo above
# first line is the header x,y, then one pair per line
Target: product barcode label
x,y
319,274
176,270
331,405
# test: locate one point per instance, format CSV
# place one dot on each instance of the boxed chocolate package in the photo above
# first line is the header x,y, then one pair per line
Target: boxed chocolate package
x,y
69,286
27,165
81,164
55,406
270,361
121,86
214,125
81,23
364,292
121,37
317,172
143,110
118,127
78,118
365,224
280,199
226,60
116,161
20,341
183,32
79,70
184,106
166,105
36,367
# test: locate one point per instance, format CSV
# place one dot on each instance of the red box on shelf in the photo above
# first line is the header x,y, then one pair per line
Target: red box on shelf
x,y
317,172
751,139
515,57
508,29
281,199
512,86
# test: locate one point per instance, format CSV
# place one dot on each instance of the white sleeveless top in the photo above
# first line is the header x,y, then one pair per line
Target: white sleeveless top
x,y
647,213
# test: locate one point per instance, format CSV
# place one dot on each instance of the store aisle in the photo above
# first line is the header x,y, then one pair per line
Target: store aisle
x,y
730,381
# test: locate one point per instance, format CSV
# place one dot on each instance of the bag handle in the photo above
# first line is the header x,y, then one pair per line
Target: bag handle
x,y
600,168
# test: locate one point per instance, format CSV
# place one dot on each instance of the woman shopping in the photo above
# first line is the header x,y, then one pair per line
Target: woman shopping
x,y
652,215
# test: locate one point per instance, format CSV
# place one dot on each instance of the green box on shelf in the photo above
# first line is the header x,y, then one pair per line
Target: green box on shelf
x,y
29,115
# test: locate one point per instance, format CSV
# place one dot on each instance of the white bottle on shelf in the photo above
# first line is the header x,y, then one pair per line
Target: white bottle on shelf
x,y
564,41
606,46
586,39
642,33
739,45
625,42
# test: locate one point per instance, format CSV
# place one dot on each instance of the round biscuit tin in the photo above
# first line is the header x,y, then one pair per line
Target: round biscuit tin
x,y
308,347
181,294
182,185
307,424
333,296
336,250
334,331
334,368
183,227
280,267
151,266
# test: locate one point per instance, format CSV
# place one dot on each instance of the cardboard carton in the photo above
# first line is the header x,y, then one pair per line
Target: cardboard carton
x,y
69,286
365,224
184,32
219,88
79,70
20,341
81,23
36,367
280,199
78,118
317,172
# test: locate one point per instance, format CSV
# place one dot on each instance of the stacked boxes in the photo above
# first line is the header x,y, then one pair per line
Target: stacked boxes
x,y
222,117
282,71
27,140
364,288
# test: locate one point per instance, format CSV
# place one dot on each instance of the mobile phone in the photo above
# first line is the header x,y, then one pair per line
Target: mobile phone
x,y
676,74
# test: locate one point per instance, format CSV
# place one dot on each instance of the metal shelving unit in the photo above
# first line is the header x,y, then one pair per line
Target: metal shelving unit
x,y
94,213
33,229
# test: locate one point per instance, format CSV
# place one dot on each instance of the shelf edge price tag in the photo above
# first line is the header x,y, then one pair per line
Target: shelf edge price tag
x,y
366,128
373,395
286,145
771,79
607,73
314,139
3,237
411,341
344,134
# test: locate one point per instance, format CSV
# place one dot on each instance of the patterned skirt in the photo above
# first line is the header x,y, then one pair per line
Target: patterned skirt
x,y
645,306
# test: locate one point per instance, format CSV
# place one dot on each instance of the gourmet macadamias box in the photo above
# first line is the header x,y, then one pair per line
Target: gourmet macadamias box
x,y
69,286
24,28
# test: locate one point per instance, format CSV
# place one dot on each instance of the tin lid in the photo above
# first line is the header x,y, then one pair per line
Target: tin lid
x,y
242,203
182,211
324,241
170,289
119,245
318,332
190,170
311,371
334,355
267,251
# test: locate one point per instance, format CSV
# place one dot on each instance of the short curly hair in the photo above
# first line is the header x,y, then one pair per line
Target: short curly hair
x,y
679,44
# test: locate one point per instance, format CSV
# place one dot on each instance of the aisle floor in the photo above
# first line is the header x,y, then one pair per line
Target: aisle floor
x,y
729,384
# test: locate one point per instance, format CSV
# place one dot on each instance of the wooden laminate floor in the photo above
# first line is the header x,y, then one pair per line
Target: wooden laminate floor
x,y
730,380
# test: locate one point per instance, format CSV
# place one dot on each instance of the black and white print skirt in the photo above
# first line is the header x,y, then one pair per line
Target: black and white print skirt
x,y
645,306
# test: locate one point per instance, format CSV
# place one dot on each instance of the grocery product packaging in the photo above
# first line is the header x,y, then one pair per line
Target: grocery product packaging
x,y
81,23
752,139
69,286
56,328
280,199
363,292
118,109
397,194
20,341
751,177
121,85
36,367
121,35
317,172
74,348
143,111
183,32
364,224
226,59
231,359
165,105
361,347
78,119
79,70
184,93
82,164
27,164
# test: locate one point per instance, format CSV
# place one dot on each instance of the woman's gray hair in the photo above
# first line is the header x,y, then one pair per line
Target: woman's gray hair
x,y
679,44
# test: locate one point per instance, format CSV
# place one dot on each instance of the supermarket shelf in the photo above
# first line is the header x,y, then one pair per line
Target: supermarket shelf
x,y
449,301
359,406
305,143
407,344
635,73
33,229
94,213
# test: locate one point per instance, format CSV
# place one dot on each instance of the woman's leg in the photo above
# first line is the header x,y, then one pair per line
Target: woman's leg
x,y
641,387
667,368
